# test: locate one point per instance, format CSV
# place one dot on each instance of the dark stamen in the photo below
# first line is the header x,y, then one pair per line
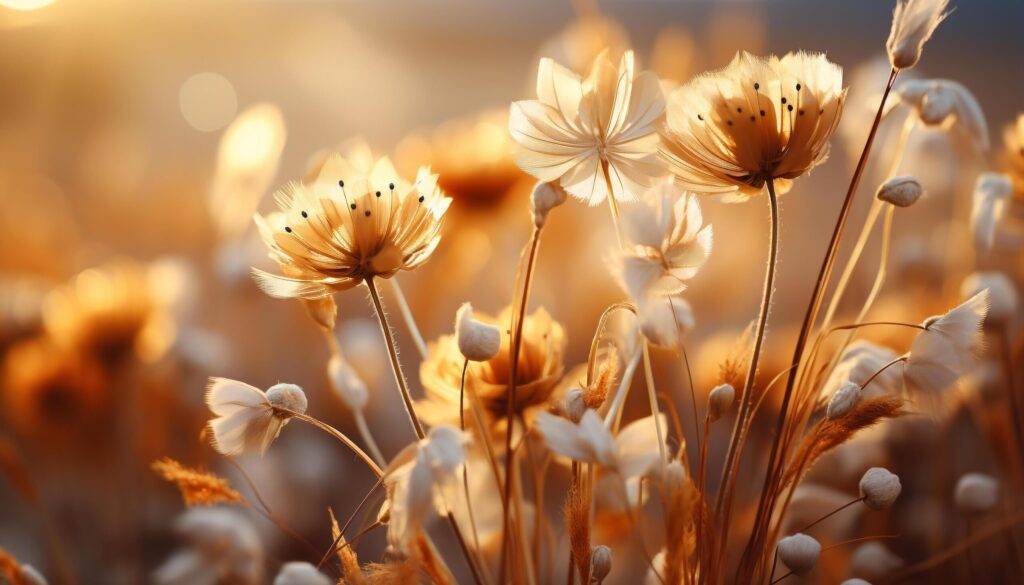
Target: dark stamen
x,y
783,100
367,213
790,107
762,112
421,198
798,87
304,214
378,193
757,86
353,206
341,184
391,186
288,229
699,117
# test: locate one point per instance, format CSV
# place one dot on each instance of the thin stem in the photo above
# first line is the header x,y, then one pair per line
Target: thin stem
x,y
620,393
829,515
767,499
877,373
729,472
465,468
652,396
396,366
410,321
689,376
337,435
364,432
613,205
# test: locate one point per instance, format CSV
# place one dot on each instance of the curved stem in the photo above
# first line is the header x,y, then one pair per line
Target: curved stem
x,y
337,435
652,396
410,321
829,515
371,444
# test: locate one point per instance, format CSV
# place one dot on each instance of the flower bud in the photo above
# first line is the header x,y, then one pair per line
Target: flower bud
x,y
298,573
800,552
323,311
988,207
1002,295
976,493
900,191
600,562
913,23
545,197
879,487
873,560
575,405
347,384
477,341
720,401
843,400
288,396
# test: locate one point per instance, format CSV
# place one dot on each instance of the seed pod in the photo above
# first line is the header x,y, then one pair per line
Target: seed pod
x,y
720,401
879,487
843,400
976,493
477,341
544,198
900,191
575,405
800,552
288,396
600,562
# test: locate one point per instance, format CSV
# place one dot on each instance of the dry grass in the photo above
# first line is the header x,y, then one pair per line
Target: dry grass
x,y
198,488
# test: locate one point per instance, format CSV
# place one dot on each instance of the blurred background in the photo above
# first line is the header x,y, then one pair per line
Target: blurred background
x,y
137,139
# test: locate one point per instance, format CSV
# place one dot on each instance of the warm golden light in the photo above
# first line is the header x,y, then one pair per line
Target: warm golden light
x,y
207,101
26,5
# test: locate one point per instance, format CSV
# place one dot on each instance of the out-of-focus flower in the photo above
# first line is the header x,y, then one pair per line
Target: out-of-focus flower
x,y
976,493
731,130
799,552
900,191
843,400
349,225
299,573
991,192
631,453
1002,294
1013,153
580,131
667,242
945,104
347,384
584,39
913,23
222,545
478,341
879,487
664,320
540,370
873,560
944,350
419,477
248,419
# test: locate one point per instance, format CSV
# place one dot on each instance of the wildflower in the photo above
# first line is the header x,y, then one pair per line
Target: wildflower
x,y
298,573
720,401
1013,153
665,319
347,384
478,341
668,242
631,453
1002,293
946,104
991,192
348,225
879,487
799,552
730,131
900,191
222,545
873,560
843,400
596,136
544,198
540,370
600,563
418,477
197,487
913,23
943,351
248,420
976,493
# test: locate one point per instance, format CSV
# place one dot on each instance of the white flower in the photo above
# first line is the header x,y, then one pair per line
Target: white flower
x,y
873,560
633,452
879,487
665,319
544,198
900,191
944,351
799,552
577,128
976,493
347,384
991,192
859,362
913,23
223,546
667,242
478,341
843,400
720,401
298,573
419,478
248,420
1001,293
947,104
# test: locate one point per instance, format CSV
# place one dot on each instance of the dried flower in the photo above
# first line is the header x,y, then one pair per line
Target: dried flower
x,y
800,552
544,198
913,23
348,225
946,104
248,420
631,453
197,487
900,191
1002,294
873,560
478,341
879,487
991,192
579,129
1013,153
843,400
347,384
976,493
720,401
299,573
668,242
664,320
600,563
222,546
944,351
730,131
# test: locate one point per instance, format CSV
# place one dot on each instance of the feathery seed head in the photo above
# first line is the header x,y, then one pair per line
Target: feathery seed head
x,y
913,23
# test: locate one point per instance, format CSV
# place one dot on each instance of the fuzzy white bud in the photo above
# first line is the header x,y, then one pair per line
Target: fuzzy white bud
x,y
879,487
600,562
900,191
298,573
544,198
913,23
976,493
288,396
347,384
477,341
800,552
720,401
843,400
873,560
1002,295
575,405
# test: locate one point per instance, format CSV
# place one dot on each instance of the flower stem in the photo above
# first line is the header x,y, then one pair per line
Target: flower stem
x,y
377,471
410,321
829,515
612,204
